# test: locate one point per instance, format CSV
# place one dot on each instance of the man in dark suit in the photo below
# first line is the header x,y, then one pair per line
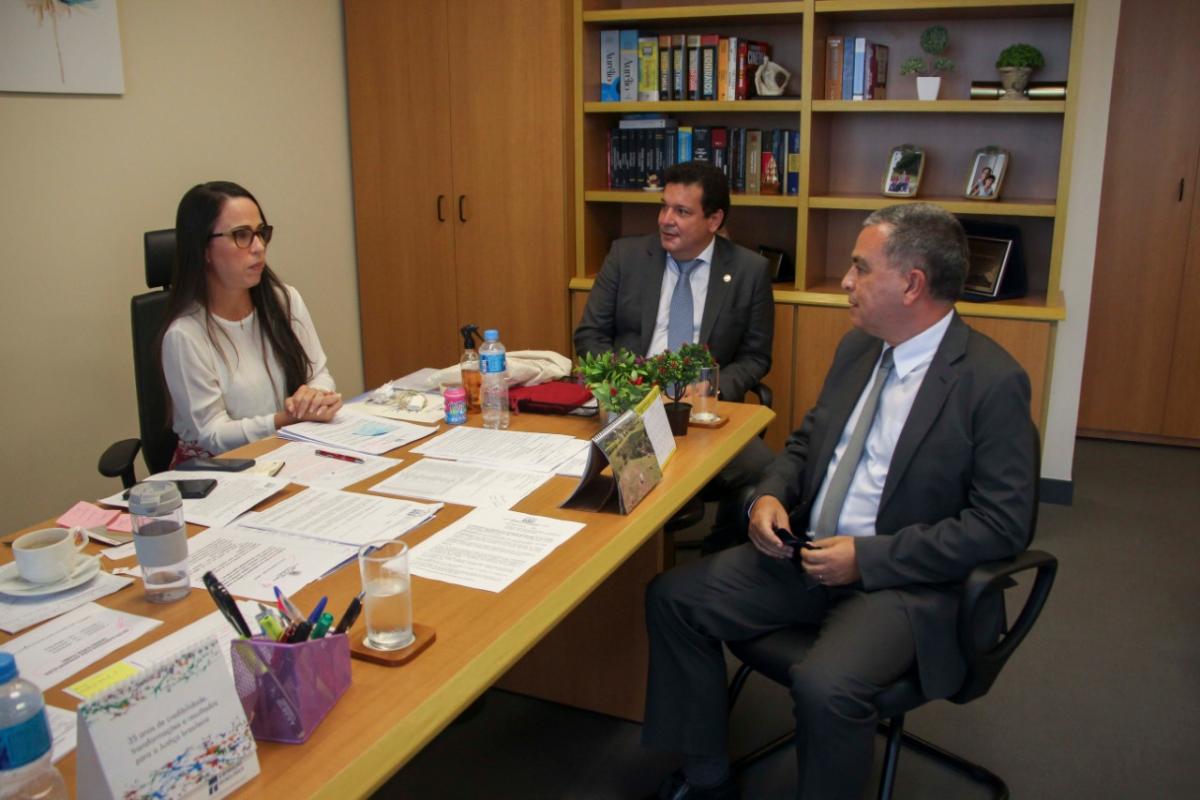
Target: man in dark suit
x,y
916,465
638,302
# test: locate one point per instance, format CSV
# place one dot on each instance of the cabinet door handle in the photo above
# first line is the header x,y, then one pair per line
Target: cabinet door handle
x,y
1181,190
440,199
462,199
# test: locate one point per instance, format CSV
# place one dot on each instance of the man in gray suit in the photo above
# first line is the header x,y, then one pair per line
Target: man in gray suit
x,y
638,302
916,465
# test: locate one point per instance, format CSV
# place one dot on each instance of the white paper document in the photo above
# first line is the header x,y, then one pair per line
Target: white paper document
x,y
303,465
233,495
62,729
462,483
489,548
574,466
252,562
371,435
54,652
19,613
346,517
514,449
213,626
432,412
419,381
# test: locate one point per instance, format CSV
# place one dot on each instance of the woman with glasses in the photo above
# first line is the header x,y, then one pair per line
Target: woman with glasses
x,y
240,355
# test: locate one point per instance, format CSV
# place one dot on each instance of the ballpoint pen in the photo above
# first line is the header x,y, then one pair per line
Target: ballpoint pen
x,y
297,632
340,456
351,614
226,604
315,616
288,606
322,626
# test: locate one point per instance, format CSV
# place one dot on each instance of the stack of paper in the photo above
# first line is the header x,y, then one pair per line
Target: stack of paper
x,y
344,517
327,467
19,613
462,483
234,494
371,435
542,452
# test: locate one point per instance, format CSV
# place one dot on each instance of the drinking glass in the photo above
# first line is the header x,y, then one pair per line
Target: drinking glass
x,y
388,594
703,392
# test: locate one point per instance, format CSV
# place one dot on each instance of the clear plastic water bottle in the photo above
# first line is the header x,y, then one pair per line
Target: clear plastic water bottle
x,y
26,747
495,381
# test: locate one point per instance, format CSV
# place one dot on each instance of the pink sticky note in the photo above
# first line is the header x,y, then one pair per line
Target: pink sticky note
x,y
122,524
86,515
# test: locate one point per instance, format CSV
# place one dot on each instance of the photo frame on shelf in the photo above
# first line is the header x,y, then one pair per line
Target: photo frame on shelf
x,y
905,165
780,264
989,165
997,265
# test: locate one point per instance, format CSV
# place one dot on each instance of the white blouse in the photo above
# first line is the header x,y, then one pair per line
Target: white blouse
x,y
227,398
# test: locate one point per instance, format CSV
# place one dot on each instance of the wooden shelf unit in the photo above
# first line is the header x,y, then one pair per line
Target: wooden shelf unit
x,y
844,144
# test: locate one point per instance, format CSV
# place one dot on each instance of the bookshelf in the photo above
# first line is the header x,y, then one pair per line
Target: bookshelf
x,y
844,147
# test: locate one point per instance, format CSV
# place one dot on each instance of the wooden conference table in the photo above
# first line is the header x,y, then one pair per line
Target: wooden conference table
x,y
570,630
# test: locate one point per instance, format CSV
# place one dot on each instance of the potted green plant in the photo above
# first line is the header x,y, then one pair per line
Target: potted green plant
x,y
673,371
1016,63
617,380
935,40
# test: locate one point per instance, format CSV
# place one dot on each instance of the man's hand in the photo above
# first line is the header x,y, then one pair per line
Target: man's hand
x,y
831,561
766,515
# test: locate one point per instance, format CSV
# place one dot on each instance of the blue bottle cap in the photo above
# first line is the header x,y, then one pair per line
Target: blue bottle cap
x,y
491,335
8,667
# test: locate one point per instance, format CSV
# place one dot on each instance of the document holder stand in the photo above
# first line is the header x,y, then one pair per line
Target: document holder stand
x,y
287,689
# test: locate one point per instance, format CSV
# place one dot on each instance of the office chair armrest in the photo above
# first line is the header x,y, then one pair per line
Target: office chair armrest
x,y
117,461
764,394
996,575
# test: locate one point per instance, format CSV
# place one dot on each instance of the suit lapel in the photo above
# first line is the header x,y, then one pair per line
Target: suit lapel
x,y
718,288
656,265
841,402
939,380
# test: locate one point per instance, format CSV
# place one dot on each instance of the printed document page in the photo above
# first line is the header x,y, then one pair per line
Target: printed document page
x,y
462,483
371,435
515,449
76,640
233,495
489,548
346,517
303,465
19,613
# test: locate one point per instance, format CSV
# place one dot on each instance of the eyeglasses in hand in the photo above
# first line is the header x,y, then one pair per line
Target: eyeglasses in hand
x,y
242,237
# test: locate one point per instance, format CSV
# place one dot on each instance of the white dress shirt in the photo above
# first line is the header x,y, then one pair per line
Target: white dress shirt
x,y
912,359
699,281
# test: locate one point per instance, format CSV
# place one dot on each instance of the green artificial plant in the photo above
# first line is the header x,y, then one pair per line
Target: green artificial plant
x,y
673,370
935,40
1021,55
618,380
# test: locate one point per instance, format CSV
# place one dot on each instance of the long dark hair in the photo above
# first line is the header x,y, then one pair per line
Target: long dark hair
x,y
197,213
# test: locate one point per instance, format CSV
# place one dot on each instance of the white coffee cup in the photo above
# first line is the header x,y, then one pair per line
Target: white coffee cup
x,y
48,555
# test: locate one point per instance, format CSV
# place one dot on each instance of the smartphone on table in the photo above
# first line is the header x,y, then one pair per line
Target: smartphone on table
x,y
189,489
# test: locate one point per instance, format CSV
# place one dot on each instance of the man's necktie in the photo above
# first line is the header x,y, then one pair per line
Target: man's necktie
x,y
681,316
839,484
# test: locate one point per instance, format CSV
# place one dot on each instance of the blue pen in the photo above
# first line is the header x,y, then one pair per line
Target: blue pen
x,y
288,606
315,616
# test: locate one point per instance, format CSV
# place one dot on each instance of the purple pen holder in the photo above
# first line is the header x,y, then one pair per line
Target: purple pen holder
x,y
287,689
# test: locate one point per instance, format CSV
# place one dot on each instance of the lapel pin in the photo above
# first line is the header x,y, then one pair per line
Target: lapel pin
x,y
728,277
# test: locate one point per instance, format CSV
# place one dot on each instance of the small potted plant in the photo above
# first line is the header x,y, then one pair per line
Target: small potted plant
x,y
617,380
1016,63
673,371
935,40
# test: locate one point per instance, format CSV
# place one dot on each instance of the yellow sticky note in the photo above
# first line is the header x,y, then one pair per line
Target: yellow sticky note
x,y
100,681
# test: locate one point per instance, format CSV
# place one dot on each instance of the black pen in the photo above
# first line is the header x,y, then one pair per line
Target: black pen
x,y
226,604
351,614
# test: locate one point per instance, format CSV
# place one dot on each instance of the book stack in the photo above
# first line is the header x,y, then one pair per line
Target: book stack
x,y
855,69
642,67
756,161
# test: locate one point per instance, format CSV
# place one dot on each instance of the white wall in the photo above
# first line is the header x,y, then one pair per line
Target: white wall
x,y
1079,251
247,91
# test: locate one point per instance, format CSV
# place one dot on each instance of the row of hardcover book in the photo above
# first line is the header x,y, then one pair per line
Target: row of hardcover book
x,y
649,67
855,69
755,161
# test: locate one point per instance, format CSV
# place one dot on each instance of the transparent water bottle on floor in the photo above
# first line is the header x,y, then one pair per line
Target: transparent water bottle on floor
x,y
26,772
495,381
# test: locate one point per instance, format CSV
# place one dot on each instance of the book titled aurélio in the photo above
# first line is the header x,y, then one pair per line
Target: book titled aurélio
x,y
610,66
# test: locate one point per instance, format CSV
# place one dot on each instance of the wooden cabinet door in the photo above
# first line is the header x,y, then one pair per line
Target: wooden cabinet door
x,y
397,73
1181,419
510,78
1144,221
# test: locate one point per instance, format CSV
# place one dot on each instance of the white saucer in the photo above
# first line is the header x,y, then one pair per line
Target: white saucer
x,y
11,582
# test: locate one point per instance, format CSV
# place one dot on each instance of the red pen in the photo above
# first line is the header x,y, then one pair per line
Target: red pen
x,y
339,456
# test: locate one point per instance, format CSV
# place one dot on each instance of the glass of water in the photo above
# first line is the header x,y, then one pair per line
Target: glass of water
x,y
703,393
388,599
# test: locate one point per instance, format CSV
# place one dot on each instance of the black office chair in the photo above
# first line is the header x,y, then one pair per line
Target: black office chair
x,y
693,511
773,654
148,313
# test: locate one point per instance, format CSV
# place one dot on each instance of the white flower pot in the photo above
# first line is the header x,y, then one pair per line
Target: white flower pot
x,y
928,88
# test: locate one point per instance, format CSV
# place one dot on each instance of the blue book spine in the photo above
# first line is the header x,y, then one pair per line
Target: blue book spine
x,y
685,144
848,69
610,66
860,68
629,66
793,163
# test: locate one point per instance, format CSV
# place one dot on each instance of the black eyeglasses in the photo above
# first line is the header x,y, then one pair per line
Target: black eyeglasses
x,y
242,237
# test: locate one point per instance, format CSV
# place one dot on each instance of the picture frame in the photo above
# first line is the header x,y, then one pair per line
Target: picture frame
x,y
990,257
906,164
778,263
985,179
